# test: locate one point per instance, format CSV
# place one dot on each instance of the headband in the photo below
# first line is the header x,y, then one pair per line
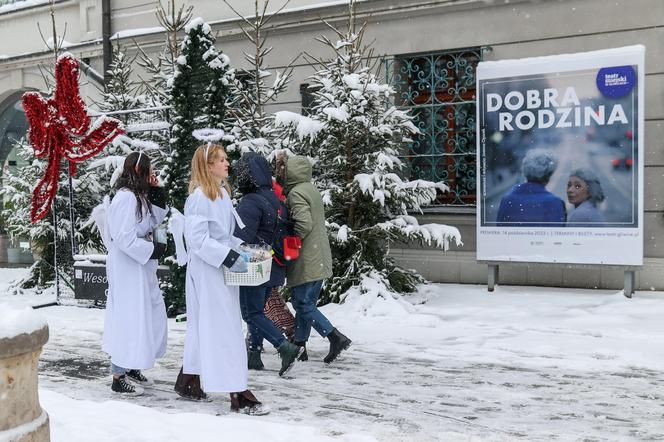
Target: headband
x,y
140,153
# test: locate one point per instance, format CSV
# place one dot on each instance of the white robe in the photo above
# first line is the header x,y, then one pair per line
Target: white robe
x,y
214,346
135,327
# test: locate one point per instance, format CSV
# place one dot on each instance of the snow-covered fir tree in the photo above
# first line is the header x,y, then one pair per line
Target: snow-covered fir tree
x,y
355,135
16,192
199,99
122,97
253,128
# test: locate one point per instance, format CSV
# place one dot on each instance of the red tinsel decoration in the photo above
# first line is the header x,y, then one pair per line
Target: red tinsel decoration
x,y
60,127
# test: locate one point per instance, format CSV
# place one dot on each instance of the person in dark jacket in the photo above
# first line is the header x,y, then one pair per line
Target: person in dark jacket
x,y
530,204
258,209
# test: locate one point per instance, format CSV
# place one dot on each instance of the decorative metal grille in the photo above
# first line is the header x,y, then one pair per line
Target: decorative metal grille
x,y
439,90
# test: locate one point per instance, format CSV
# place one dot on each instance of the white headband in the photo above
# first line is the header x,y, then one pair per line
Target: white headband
x,y
140,153
207,148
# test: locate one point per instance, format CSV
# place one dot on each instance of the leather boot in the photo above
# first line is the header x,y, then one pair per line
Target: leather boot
x,y
338,343
245,402
288,353
304,356
188,386
254,361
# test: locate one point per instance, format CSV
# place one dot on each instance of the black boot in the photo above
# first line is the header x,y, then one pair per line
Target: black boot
x,y
303,356
338,343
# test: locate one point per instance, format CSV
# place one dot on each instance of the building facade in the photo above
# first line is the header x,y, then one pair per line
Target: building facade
x,y
428,50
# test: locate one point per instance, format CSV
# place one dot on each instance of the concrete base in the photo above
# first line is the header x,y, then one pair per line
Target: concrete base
x,y
21,416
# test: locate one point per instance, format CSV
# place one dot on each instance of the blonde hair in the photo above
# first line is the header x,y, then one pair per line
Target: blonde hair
x,y
200,171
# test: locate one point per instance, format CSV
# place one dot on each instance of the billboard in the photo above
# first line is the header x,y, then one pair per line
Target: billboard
x,y
560,158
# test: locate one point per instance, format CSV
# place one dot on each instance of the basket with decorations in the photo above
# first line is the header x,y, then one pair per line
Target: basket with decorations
x,y
259,267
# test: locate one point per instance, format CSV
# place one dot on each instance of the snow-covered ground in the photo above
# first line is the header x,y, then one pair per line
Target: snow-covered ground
x,y
452,363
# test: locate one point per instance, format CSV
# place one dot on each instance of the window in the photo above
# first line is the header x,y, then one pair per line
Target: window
x,y
439,90
307,97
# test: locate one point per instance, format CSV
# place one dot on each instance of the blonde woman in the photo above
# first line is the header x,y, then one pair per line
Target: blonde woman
x,y
214,346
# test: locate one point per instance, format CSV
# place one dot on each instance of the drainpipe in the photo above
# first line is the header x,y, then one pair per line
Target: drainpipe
x,y
107,48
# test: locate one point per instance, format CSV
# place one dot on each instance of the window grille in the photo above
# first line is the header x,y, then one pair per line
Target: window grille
x,y
439,91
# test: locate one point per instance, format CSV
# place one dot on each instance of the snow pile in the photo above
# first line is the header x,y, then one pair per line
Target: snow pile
x,y
83,421
16,321
373,300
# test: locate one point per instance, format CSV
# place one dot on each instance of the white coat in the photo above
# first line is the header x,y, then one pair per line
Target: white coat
x,y
135,327
214,346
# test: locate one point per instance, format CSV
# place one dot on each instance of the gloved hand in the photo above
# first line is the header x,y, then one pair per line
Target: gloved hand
x,y
157,196
159,250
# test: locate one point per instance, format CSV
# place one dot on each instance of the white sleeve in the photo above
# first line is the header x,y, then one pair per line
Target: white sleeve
x,y
197,232
122,228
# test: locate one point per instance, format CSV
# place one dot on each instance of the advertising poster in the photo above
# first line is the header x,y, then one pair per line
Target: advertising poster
x,y
560,158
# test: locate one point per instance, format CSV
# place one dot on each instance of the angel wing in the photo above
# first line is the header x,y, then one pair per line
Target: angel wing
x,y
176,226
99,217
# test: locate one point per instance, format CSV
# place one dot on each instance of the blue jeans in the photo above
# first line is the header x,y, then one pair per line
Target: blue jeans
x,y
304,298
116,370
252,305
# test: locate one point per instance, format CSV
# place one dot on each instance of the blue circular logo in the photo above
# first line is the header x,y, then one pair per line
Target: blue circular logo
x,y
616,81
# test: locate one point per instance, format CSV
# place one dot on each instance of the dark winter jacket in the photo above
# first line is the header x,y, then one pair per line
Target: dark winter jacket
x,y
306,212
258,207
530,204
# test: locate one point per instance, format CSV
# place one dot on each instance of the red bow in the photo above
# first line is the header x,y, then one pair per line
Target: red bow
x,y
60,127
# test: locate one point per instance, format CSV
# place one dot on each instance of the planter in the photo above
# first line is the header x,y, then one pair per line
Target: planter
x,y
21,417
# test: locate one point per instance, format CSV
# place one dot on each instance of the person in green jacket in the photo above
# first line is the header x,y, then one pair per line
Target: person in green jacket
x,y
306,274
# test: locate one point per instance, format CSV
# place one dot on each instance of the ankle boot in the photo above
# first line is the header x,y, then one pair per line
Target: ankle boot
x,y
288,353
254,361
245,402
303,356
338,343
188,386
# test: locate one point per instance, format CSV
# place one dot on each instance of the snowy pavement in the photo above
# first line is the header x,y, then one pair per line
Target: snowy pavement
x,y
452,363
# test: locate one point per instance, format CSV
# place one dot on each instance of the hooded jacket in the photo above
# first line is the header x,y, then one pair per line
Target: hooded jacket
x,y
258,208
306,212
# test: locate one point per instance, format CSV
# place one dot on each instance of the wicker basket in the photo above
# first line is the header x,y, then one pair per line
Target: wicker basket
x,y
257,274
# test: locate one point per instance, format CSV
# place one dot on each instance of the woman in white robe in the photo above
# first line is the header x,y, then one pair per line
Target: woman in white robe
x,y
214,346
135,327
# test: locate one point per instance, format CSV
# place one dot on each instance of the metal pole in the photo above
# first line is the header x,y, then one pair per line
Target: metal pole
x,y
72,217
55,252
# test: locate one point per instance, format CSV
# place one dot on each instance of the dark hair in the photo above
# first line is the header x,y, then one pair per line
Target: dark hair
x,y
135,177
595,192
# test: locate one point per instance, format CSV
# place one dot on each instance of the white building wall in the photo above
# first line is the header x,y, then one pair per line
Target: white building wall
x,y
511,29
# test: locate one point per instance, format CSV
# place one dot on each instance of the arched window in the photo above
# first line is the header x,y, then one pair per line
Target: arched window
x,y
13,127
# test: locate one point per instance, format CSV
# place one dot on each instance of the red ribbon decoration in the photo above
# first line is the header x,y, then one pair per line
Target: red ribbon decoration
x,y
60,127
